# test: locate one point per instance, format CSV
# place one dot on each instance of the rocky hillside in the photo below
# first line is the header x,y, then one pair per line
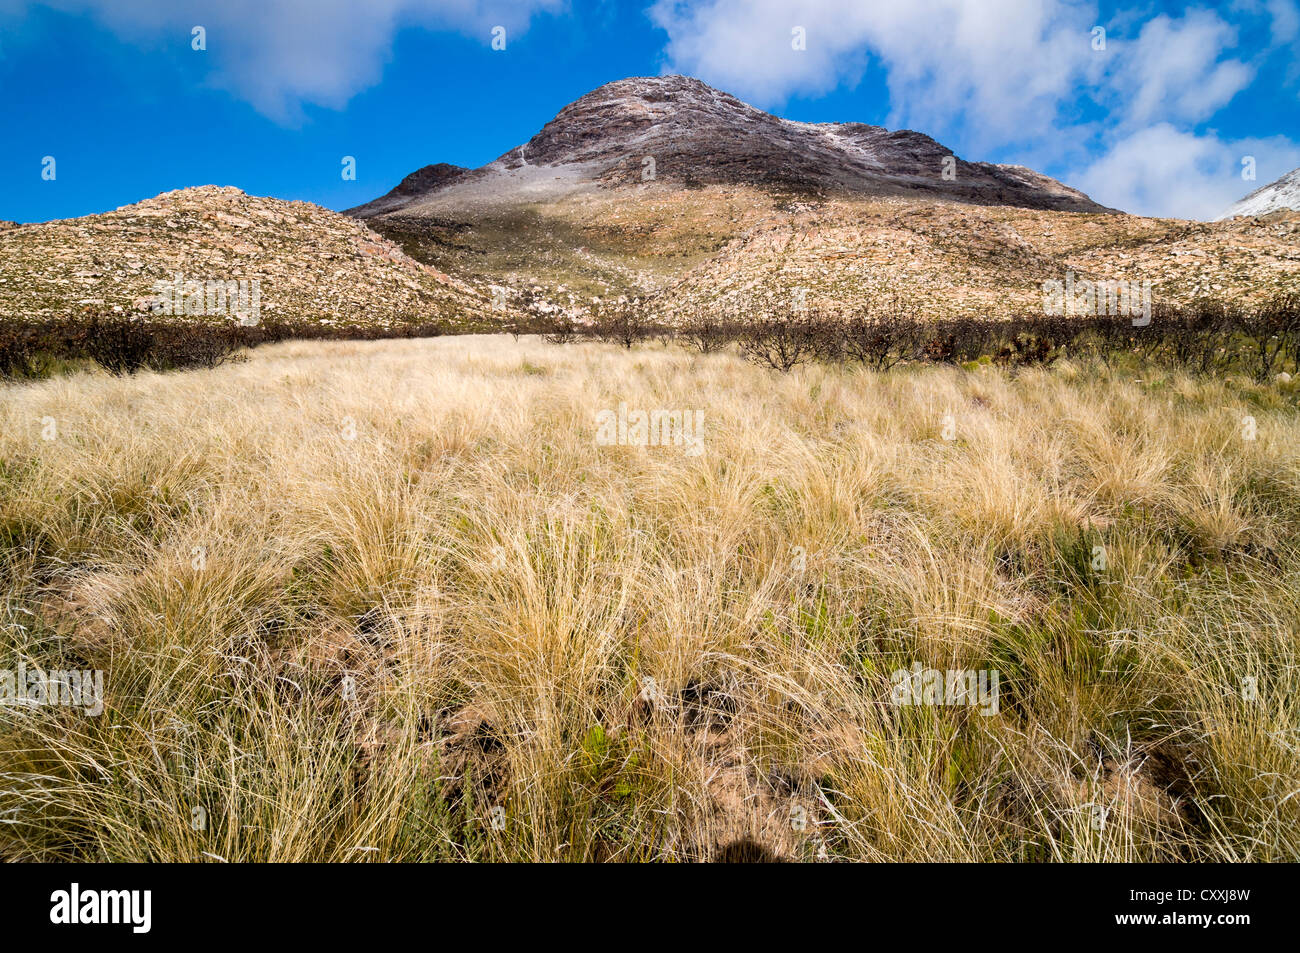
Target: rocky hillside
x,y
417,185
661,188
979,261
730,244
738,205
310,263
1282,195
679,130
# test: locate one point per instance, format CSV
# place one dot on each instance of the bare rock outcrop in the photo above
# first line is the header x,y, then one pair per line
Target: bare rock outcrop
x,y
310,263
679,130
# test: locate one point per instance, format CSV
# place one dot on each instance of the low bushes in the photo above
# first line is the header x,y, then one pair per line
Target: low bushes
x,y
783,343
125,344
1204,337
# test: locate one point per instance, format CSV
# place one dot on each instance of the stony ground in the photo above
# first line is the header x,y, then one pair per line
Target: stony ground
x,y
665,186
311,262
740,247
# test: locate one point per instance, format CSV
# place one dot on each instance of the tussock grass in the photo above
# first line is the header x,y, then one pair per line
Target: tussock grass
x,y
391,601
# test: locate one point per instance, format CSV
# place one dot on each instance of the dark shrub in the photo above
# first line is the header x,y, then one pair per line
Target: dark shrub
x,y
621,322
1276,335
782,343
26,347
120,345
179,346
560,329
707,333
879,339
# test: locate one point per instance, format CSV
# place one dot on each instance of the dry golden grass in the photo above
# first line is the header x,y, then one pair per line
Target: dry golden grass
x,y
471,632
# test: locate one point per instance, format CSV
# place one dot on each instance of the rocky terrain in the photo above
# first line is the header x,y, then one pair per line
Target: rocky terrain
x,y
980,261
667,190
679,130
310,262
415,186
741,206
746,246
1282,195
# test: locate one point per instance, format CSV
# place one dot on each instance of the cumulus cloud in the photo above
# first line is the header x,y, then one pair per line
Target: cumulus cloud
x,y
1162,170
280,55
1028,75
1285,15
1004,68
1172,71
1004,64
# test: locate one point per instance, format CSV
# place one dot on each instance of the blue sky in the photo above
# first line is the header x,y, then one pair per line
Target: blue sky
x,y
1156,120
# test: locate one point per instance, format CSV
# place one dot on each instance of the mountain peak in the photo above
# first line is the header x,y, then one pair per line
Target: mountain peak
x,y
674,89
665,86
1283,194
640,111
680,131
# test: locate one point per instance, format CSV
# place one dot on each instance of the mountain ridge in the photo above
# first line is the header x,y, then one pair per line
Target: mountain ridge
x,y
733,219
681,131
1282,194
311,263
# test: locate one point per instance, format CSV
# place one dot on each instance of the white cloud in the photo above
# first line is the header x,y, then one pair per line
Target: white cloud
x,y
1010,74
1004,64
1162,170
281,54
1004,68
1286,20
1170,71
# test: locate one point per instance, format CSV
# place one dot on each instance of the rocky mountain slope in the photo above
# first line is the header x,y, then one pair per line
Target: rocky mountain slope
x,y
738,205
679,130
737,209
310,263
414,187
977,260
1284,194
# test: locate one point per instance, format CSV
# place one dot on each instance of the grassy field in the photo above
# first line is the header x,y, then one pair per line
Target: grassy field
x,y
393,600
